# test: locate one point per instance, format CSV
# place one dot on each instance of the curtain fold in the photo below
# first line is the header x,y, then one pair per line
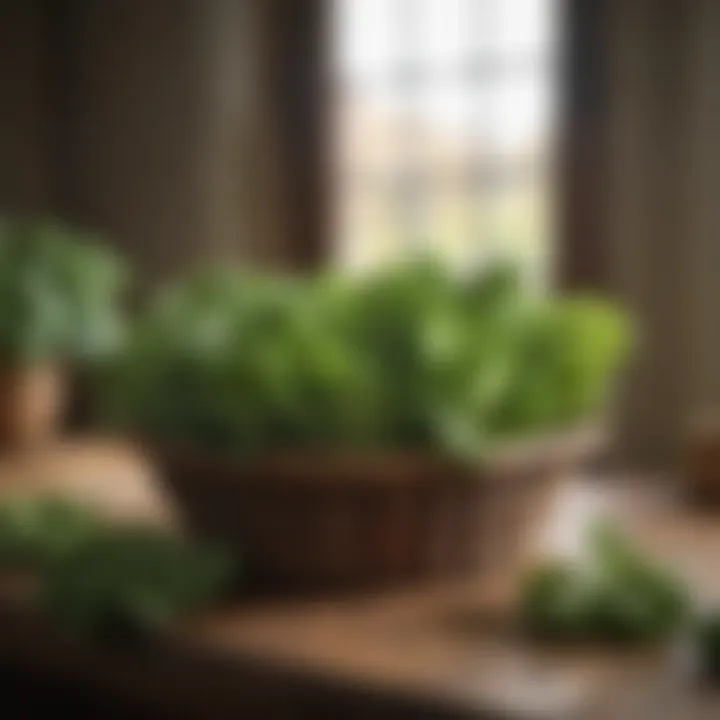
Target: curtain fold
x,y
660,213
287,143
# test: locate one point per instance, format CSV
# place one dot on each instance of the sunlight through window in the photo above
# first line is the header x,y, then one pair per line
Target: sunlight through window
x,y
444,116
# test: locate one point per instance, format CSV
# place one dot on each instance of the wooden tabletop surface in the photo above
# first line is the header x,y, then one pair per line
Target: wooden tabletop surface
x,y
447,651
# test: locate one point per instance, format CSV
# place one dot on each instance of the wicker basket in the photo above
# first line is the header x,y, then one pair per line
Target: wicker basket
x,y
331,521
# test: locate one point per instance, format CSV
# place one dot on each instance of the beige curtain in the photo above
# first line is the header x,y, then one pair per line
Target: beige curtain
x,y
661,210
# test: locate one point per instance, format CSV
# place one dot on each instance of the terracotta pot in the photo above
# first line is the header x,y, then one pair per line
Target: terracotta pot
x,y
31,404
307,521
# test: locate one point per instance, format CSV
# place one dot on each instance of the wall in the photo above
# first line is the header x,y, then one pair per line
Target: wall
x,y
26,181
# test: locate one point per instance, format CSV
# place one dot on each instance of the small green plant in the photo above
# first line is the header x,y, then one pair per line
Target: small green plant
x,y
36,532
98,579
615,595
59,293
131,581
408,357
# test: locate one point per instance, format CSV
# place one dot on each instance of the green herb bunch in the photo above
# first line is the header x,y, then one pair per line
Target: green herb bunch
x,y
132,581
97,579
613,595
37,532
407,357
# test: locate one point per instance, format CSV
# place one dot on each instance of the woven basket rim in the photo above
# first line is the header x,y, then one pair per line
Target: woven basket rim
x,y
318,466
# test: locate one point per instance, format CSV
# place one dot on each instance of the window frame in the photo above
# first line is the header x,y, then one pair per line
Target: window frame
x,y
303,94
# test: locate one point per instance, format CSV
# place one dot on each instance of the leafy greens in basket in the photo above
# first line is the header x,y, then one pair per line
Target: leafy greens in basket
x,y
407,357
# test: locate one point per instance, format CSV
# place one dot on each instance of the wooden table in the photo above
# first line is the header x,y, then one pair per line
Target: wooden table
x,y
441,652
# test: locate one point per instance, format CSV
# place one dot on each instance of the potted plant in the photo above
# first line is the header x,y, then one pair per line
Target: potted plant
x,y
59,291
348,431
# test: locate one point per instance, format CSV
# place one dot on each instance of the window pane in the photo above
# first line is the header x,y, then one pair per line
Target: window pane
x,y
445,119
364,38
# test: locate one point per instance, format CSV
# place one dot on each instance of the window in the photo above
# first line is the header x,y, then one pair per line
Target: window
x,y
444,119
